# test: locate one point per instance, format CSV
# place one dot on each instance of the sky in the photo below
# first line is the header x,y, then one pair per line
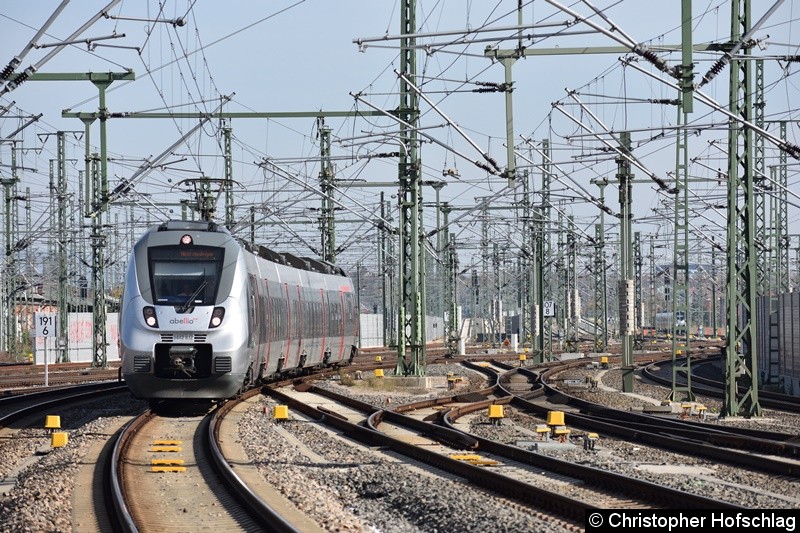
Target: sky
x,y
301,56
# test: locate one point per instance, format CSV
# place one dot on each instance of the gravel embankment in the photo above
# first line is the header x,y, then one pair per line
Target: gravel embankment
x,y
41,500
350,488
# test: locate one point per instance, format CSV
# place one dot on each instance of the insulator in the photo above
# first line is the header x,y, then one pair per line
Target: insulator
x,y
717,67
652,57
7,71
20,79
792,149
665,101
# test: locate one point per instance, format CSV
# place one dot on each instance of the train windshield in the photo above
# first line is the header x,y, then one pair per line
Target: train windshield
x,y
181,275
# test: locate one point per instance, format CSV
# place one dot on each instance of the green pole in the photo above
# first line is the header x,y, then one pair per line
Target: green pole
x,y
626,292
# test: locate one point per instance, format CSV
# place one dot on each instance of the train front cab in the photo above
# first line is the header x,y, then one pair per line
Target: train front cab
x,y
190,337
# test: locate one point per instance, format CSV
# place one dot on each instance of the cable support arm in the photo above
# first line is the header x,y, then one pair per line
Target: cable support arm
x,y
148,166
637,48
484,203
455,126
633,160
24,75
381,224
771,181
722,62
16,60
89,41
588,196
431,138
33,119
786,146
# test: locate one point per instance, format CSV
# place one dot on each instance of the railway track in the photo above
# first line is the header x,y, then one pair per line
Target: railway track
x,y
751,448
510,472
661,372
365,421
173,470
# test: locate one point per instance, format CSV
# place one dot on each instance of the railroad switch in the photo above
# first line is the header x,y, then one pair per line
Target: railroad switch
x,y
555,418
701,411
453,380
589,441
561,433
692,408
378,372
280,413
522,359
58,439
52,422
496,414
542,431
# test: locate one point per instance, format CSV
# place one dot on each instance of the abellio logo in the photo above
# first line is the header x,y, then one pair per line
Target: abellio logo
x,y
185,320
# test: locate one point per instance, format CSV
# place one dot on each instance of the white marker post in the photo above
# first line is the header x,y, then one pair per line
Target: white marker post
x,y
46,326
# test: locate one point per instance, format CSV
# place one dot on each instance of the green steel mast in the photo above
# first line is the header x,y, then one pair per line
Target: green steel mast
x,y
625,295
741,334
680,264
412,278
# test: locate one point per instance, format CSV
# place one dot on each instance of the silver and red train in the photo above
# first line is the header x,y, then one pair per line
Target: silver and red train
x,y
205,317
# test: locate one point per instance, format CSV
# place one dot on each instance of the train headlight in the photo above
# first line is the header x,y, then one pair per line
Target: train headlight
x,y
216,317
150,316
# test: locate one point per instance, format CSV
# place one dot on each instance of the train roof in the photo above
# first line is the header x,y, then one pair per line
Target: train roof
x,y
301,263
191,225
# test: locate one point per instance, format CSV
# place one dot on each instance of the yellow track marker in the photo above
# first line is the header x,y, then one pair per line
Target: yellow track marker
x,y
166,462
166,449
466,457
168,469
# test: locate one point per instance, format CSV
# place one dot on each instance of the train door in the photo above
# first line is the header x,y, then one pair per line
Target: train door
x,y
323,328
293,337
340,328
289,328
269,330
254,330
302,340
353,319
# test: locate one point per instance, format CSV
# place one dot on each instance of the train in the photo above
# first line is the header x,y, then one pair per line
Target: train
x,y
205,316
667,322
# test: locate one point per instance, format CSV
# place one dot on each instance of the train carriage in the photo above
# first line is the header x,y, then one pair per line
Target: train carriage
x,y
669,323
204,317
